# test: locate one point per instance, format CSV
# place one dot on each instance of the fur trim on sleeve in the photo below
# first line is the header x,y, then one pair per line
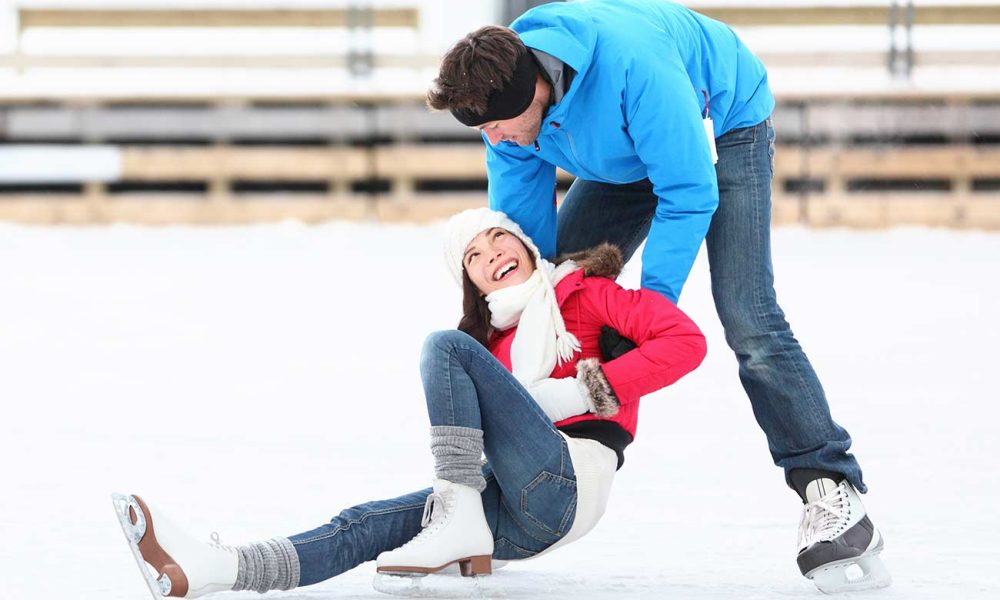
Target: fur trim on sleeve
x,y
605,401
604,260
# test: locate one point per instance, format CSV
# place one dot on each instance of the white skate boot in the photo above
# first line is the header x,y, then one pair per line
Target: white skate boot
x,y
838,544
455,531
184,566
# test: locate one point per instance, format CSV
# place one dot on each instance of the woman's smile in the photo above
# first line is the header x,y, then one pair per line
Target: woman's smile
x,y
496,259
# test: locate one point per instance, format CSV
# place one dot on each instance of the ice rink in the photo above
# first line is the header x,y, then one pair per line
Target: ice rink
x,y
254,381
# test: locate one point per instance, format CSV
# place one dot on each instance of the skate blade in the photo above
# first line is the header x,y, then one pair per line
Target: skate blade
x,y
867,572
444,584
125,508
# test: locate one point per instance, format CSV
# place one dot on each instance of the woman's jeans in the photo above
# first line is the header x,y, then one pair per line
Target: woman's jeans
x,y
530,496
787,398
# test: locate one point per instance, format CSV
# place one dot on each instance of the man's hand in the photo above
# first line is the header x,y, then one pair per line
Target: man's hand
x,y
613,344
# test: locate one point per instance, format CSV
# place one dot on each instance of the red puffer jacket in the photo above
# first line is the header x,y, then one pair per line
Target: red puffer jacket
x,y
670,345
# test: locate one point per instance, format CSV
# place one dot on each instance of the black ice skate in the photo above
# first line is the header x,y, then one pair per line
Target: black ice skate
x,y
838,544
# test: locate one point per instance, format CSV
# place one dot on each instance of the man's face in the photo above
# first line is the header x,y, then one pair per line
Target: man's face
x,y
522,129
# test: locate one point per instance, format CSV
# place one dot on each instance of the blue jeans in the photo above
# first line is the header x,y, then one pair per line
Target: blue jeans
x,y
787,398
530,495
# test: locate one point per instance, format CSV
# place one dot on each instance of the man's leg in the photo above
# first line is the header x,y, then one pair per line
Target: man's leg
x,y
593,212
787,398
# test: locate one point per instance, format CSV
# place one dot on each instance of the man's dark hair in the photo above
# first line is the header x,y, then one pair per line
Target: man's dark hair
x,y
479,64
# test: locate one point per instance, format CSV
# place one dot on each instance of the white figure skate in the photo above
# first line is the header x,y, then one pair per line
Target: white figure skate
x,y
455,531
206,567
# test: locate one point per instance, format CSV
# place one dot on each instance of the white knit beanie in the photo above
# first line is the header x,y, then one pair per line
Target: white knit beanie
x,y
466,225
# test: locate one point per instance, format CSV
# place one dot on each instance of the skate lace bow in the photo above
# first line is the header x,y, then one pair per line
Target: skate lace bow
x,y
434,509
217,542
824,519
435,515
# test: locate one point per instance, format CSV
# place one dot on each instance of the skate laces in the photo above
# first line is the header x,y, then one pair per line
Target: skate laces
x,y
435,515
824,519
217,543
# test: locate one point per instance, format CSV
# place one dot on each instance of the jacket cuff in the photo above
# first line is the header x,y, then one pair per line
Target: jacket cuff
x,y
601,394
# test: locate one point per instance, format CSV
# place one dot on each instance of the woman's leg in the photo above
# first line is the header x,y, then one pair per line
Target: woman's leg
x,y
357,535
360,533
468,390
529,496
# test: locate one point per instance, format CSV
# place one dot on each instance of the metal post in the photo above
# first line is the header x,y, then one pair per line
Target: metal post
x,y
360,56
370,143
892,38
901,60
908,71
804,172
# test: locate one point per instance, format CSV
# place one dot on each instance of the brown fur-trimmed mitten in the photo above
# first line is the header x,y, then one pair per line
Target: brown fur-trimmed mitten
x,y
602,397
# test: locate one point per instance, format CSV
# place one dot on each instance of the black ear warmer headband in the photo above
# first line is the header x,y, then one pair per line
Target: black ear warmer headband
x,y
510,101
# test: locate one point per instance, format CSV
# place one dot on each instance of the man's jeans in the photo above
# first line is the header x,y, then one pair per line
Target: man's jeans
x,y
787,398
530,496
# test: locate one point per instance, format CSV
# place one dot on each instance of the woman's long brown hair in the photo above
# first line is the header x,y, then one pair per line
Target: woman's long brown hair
x,y
475,312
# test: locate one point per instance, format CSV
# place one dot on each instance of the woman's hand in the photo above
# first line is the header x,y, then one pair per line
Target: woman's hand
x,y
561,398
588,392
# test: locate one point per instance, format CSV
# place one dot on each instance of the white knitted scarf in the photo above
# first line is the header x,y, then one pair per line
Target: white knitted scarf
x,y
541,341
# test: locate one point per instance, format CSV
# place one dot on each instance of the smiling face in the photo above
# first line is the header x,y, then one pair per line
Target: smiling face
x,y
522,129
496,259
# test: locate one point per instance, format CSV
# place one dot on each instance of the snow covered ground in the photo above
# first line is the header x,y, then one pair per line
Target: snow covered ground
x,y
257,380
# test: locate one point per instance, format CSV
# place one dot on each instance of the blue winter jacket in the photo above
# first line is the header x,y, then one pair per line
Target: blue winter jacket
x,y
633,110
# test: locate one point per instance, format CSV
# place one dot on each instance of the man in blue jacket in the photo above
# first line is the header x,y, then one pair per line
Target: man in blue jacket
x,y
664,118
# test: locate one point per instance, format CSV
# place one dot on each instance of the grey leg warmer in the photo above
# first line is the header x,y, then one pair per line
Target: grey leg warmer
x,y
269,565
457,452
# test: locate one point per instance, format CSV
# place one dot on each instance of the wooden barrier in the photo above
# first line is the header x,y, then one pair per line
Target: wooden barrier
x,y
216,17
868,212
334,150
69,18
812,15
227,162
917,162
789,15
785,15
404,166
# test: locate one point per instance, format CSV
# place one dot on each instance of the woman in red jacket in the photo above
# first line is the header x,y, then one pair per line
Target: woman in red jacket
x,y
520,381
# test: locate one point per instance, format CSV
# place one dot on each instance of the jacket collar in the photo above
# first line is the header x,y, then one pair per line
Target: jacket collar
x,y
565,32
569,285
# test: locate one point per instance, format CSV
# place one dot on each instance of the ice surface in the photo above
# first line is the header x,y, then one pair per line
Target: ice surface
x,y
256,380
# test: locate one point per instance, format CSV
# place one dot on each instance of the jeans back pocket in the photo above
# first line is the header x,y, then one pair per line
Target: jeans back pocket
x,y
549,502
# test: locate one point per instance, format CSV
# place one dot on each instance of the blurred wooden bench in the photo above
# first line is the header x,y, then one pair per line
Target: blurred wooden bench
x,y
801,14
786,15
75,18
835,201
